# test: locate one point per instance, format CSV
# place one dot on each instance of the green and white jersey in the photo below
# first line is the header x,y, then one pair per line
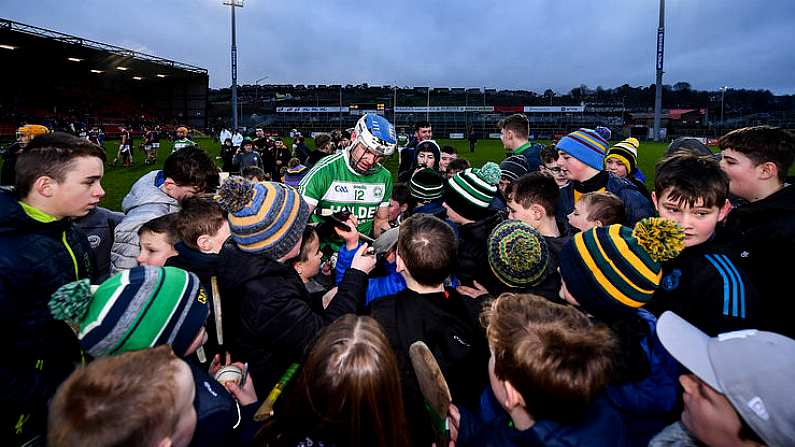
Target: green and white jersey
x,y
179,144
332,186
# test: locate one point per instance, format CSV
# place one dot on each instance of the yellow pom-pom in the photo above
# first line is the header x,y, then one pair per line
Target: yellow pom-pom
x,y
663,239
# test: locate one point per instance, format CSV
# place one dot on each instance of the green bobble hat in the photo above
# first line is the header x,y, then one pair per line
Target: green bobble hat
x,y
518,254
470,192
135,309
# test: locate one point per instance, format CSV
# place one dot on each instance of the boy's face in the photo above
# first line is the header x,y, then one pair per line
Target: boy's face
x,y
311,266
445,160
616,167
426,159
506,138
80,191
155,249
558,173
575,169
742,172
698,221
579,217
503,185
708,414
186,390
517,212
424,133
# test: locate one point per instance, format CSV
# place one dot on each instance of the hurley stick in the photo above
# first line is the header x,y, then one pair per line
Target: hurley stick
x,y
219,331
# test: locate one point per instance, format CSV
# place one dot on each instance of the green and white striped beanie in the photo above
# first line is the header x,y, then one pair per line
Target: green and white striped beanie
x,y
135,309
470,192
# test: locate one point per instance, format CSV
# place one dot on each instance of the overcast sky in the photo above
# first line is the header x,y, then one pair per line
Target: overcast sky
x,y
516,44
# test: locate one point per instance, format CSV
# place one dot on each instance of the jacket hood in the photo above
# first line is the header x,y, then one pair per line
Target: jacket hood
x,y
146,190
423,147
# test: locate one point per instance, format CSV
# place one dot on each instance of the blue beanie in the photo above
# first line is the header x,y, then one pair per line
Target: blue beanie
x,y
586,145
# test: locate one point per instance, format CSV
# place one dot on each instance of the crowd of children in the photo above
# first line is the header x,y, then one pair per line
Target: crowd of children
x,y
564,303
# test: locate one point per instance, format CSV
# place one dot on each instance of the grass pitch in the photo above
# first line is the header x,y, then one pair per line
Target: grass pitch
x,y
118,180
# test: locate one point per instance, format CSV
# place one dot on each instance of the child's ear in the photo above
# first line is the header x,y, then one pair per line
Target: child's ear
x,y
767,170
724,210
45,186
399,265
204,242
538,210
654,201
165,442
514,399
599,224
404,207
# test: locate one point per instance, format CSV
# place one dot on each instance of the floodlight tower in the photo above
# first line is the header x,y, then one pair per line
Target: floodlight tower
x,y
658,89
234,4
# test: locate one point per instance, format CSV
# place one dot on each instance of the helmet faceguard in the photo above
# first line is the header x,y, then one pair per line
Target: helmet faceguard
x,y
376,135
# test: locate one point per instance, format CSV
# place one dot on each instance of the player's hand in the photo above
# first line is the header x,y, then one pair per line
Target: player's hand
x,y
476,291
363,261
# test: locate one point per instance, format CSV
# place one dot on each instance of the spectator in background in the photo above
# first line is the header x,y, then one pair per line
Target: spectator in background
x,y
182,140
473,139
25,135
294,173
300,149
582,154
622,161
281,156
225,133
237,138
227,155
456,166
549,165
514,131
323,147
422,132
449,153
246,156
426,155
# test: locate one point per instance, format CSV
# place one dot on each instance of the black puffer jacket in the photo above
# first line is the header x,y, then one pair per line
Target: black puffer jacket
x,y
35,260
277,325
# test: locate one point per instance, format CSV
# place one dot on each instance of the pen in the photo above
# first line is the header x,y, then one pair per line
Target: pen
x,y
245,375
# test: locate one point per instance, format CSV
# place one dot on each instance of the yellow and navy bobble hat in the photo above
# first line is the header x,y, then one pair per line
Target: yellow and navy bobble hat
x,y
265,217
616,268
626,152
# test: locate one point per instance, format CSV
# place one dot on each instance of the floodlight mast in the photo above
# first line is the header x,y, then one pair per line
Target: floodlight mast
x,y
234,4
658,89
